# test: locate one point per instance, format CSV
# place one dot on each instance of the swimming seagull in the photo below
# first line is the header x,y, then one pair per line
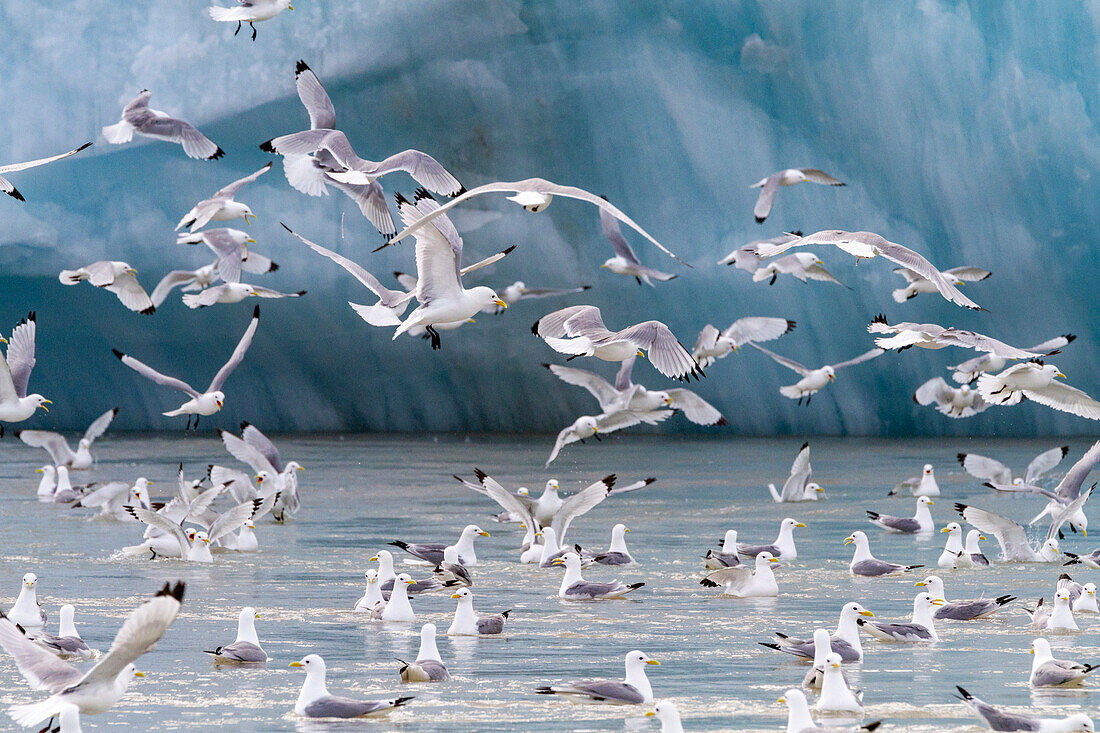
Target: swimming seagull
x,y
712,344
788,177
114,277
101,687
953,549
190,280
221,206
386,576
1013,537
669,717
921,627
799,719
196,547
1037,381
6,185
971,369
813,380
398,609
452,572
249,11
867,565
48,484
745,258
845,640
579,331
956,402
1001,720
625,262
15,374
919,522
989,469
923,485
231,247
783,546
592,426
315,701
534,195
27,610
372,594
432,552
804,266
969,610
865,245
468,623
634,689
575,588
616,554
973,553
798,486
113,497
1059,619
246,648
1066,492
1086,603
726,556
742,581
428,666
201,403
836,696
919,284
932,336
1046,671
58,448
138,117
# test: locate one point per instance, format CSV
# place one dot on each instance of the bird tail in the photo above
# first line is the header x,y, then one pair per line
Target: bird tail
x,y
174,413
377,314
399,543
192,300
119,133
761,274
791,392
1004,600
188,238
28,715
633,587
578,346
873,516
901,295
70,277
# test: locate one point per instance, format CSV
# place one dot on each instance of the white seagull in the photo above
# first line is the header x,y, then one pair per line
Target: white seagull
x,y
803,266
931,336
742,581
58,448
231,247
190,280
971,369
1065,493
15,374
1037,382
954,402
138,117
221,206
745,257
998,719
798,486
249,11
1012,537
813,380
233,293
788,177
6,185
315,701
114,277
712,344
922,485
989,469
634,689
592,426
919,284
625,262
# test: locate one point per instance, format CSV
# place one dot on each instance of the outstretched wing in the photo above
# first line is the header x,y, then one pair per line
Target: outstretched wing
x,y
322,114
757,328
1011,536
813,175
52,443
801,470
233,519
666,353
1070,486
246,453
238,353
252,435
1062,396
766,198
387,296
580,503
872,354
42,669
150,373
695,408
609,225
599,388
229,191
507,500
20,354
1044,462
789,363
99,425
155,519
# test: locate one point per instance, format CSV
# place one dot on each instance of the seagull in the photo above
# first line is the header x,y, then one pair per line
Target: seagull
x,y
931,336
712,344
799,719
451,571
67,644
249,11
221,206
201,403
973,552
866,565
634,689
726,556
952,554
1066,492
575,588
1060,618
114,277
998,719
428,666
534,195
625,262
62,455
468,623
113,497
233,293
579,331
845,640
191,280
923,485
865,245
951,401
398,609
6,185
27,610
372,594
1012,536
962,610
15,374
745,258
101,687
798,486
836,695
988,469
1037,381
432,552
804,266
518,291
197,548
387,576
231,247
741,581
138,117
669,717
921,522
788,177
971,369
1046,671
919,284
813,380
625,395
1086,603
315,701
256,449
48,484
592,426
783,547
920,628
246,648
616,554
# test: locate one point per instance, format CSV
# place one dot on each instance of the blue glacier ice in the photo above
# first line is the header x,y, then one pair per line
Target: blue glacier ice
x,y
967,131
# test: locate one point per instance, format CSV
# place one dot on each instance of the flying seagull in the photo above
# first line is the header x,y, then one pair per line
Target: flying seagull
x,y
769,187
138,117
58,448
813,380
6,185
15,375
114,277
221,206
625,262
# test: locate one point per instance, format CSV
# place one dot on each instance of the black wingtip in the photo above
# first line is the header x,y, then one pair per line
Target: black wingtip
x,y
461,190
400,198
300,293
760,220
218,155
267,147
149,311
961,457
650,480
535,327
708,583
875,725
769,645
118,354
481,475
176,591
965,695
14,193
610,480
85,146
256,312
401,701
505,613
722,421
804,446
1065,450
880,318
635,586
421,193
300,67
509,250
274,267
1069,337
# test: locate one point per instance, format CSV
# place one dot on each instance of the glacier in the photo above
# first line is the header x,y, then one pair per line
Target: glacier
x,y
965,130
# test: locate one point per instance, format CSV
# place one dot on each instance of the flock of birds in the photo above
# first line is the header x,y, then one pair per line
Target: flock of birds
x,y
188,527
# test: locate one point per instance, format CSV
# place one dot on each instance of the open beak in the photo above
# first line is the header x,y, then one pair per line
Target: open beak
x,y
848,541
132,271
557,561
501,303
455,595
295,664
44,403
832,377
937,602
219,403
290,7
653,662
259,480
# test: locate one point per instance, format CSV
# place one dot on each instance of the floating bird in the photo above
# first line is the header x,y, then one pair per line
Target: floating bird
x,y
256,449
972,551
669,717
867,565
62,455
962,610
800,721
196,547
48,483
726,556
788,177
315,701
1037,381
6,185
114,277
246,648
845,640
813,380
920,628
712,344
249,11
15,375
428,666
951,401
575,588
221,206
451,571
971,369
1000,720
113,497
923,485
398,609
783,546
836,695
27,610
372,594
387,575
625,262
1086,603
432,552
953,549
741,581
920,284
798,486
616,554
201,403
1046,671
231,247
634,689
138,117
1059,619
919,522
468,623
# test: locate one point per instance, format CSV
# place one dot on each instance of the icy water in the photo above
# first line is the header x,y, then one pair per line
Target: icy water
x,y
361,492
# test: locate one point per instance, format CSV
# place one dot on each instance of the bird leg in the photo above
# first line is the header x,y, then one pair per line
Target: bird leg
x,y
188,424
800,400
253,31
1,430
597,437
436,341
196,422
808,400
772,281
238,28
638,279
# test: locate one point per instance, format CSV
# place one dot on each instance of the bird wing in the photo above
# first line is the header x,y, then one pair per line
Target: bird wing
x,y
565,437
819,273
934,391
1070,485
789,363
981,467
801,470
229,191
599,388
228,251
918,264
99,425
231,520
665,352
744,258
104,495
736,577
547,292
707,338
388,297
1053,344
1010,534
246,453
631,487
141,631
438,258
195,144
580,503
757,328
968,274
130,292
257,263
262,292
1062,515
322,115
981,342
813,175
371,200
867,356
20,356
766,198
162,523
42,669
173,279
507,500
909,275
694,407
1044,462
52,443
425,169
238,353
150,373
609,226
252,435
1061,396
13,167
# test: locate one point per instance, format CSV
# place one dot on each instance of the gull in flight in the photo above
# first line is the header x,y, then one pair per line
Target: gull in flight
x,y
798,486
801,265
591,426
233,293
1038,382
998,719
231,247
201,403
534,195
1065,493
625,262
6,185
813,380
579,331
256,449
249,11
625,395
789,177
221,206
745,257
114,277
988,469
15,374
58,448
971,369
931,336
1012,537
920,284
138,117
518,291
191,280
951,401
101,687
865,245
712,344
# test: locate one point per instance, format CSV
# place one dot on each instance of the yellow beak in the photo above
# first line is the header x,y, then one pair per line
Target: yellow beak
x,y
625,529
800,524
373,559
641,353
981,537
937,602
290,7
38,470
301,468
848,541
1063,376
921,583
782,699
501,303
483,533
866,613
648,713
1085,532
1031,651
557,561
832,377
295,664
773,559
138,674
944,530
653,662
930,502
410,581
455,595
